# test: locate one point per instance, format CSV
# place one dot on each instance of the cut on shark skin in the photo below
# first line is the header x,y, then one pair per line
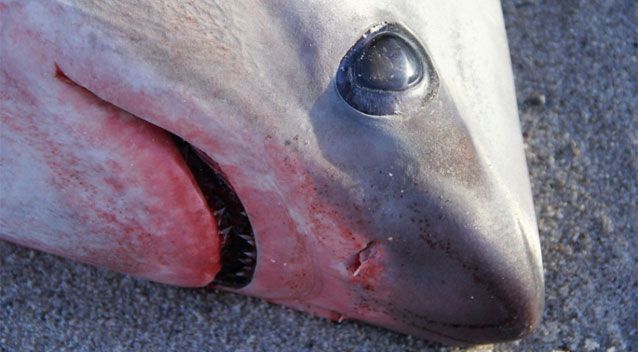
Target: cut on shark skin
x,y
214,143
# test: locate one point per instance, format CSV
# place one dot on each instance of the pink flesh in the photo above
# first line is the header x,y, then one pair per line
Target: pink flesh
x,y
84,179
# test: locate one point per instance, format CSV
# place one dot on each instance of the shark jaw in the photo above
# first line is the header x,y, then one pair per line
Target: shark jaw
x,y
238,249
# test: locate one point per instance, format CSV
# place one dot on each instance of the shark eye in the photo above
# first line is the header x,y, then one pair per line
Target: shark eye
x,y
387,62
387,72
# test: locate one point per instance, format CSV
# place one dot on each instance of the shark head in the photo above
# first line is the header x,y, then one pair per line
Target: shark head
x,y
357,160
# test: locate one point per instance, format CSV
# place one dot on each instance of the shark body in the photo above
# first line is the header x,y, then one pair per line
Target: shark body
x,y
404,204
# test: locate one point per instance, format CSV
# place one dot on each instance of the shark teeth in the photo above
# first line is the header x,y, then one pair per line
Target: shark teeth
x,y
247,261
238,249
250,240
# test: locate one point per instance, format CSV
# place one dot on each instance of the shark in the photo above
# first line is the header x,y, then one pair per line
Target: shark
x,y
355,160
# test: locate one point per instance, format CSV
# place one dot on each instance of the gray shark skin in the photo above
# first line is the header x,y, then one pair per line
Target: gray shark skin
x,y
407,207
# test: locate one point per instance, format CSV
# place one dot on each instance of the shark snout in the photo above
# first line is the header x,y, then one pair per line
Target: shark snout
x,y
450,248
463,271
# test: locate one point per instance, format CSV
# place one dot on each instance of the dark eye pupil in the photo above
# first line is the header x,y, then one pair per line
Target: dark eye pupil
x,y
388,62
386,72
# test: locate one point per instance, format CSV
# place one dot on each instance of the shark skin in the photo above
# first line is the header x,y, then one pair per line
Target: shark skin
x,y
420,221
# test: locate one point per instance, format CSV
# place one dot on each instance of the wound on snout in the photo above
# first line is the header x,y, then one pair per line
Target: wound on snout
x,y
356,262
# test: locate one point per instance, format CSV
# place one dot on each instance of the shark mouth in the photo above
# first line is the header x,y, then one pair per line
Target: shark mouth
x,y
238,250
